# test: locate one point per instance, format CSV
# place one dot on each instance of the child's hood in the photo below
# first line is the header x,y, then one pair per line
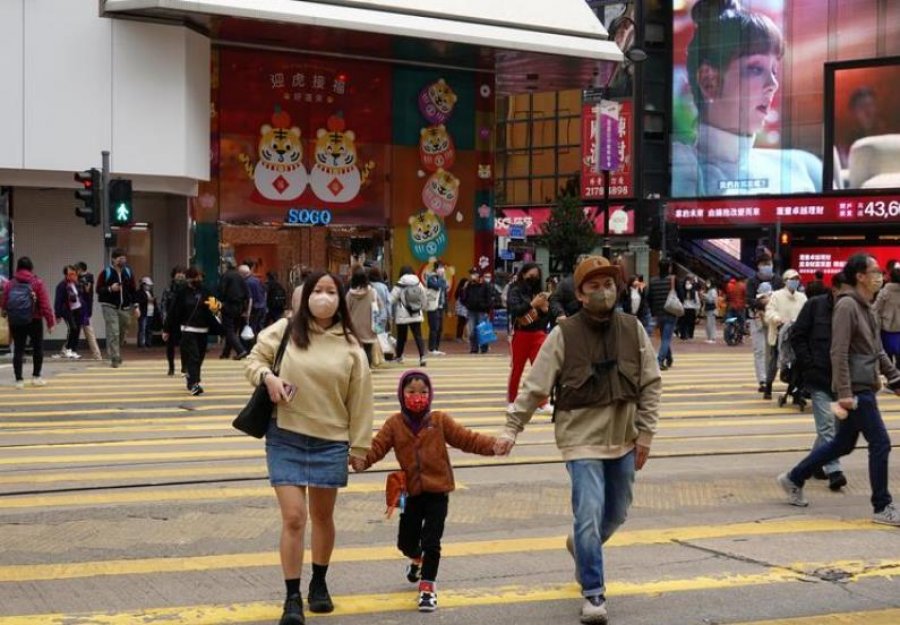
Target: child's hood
x,y
404,379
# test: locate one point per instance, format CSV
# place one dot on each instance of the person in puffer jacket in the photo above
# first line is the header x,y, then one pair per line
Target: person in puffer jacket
x,y
419,438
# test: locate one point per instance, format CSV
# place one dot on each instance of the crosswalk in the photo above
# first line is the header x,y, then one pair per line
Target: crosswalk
x,y
125,500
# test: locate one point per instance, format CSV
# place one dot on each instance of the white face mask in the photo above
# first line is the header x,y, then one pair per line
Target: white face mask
x,y
323,305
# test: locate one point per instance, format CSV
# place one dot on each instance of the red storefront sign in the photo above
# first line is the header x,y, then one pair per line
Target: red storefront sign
x,y
791,210
621,181
830,260
621,220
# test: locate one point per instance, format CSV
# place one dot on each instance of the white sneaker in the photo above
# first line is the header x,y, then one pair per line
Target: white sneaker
x,y
889,516
38,382
509,407
593,611
545,409
436,352
20,384
72,355
794,492
61,354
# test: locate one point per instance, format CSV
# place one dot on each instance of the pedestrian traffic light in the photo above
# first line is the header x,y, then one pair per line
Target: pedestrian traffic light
x,y
121,210
785,239
90,194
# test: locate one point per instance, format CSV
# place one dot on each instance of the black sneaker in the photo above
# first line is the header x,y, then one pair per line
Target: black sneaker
x,y
318,598
196,389
819,474
413,572
762,387
836,481
293,611
171,372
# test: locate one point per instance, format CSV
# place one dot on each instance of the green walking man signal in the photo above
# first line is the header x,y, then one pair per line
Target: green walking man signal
x,y
121,207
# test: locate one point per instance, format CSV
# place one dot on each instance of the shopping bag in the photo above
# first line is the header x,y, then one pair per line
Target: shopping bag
x,y
673,305
387,343
247,333
485,333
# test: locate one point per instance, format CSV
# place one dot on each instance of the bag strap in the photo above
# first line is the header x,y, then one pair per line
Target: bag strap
x,y
276,366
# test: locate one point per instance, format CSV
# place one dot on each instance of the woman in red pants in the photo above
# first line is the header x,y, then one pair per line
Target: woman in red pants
x,y
529,312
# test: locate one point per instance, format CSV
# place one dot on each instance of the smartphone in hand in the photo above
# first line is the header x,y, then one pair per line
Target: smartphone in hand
x,y
290,390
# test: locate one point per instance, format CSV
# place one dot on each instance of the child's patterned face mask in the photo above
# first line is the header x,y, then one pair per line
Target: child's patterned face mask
x,y
416,403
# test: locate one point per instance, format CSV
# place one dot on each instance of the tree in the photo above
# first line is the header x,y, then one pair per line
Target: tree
x,y
568,233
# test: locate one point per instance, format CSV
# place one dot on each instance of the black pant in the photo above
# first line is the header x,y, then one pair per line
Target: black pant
x,y
74,327
435,328
193,351
687,323
20,335
421,529
232,323
171,344
416,329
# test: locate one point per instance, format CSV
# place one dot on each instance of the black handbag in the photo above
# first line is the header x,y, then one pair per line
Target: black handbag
x,y
255,417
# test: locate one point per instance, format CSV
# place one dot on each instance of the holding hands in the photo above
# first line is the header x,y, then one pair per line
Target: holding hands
x,y
358,464
504,444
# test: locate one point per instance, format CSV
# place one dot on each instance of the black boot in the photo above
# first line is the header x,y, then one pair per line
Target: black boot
x,y
318,597
293,611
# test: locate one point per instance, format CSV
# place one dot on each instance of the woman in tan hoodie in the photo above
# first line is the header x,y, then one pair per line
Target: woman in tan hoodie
x,y
324,412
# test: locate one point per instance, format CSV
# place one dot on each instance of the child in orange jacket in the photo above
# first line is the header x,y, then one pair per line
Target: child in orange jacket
x,y
419,438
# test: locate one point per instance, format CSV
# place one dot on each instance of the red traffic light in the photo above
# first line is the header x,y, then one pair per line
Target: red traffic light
x,y
785,238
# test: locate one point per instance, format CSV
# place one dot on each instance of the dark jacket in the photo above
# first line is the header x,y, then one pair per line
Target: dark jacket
x,y
276,296
143,301
658,293
564,301
189,309
518,303
62,299
625,302
811,341
233,290
86,291
125,297
478,297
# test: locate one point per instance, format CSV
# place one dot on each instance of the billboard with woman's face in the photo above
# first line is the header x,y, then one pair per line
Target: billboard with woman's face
x,y
749,96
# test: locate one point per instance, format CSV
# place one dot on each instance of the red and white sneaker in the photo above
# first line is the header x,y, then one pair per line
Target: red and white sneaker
x,y
427,597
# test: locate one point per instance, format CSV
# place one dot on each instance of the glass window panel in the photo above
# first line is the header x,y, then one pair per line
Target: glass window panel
x,y
517,191
569,130
543,190
517,136
544,133
570,102
543,162
569,161
544,104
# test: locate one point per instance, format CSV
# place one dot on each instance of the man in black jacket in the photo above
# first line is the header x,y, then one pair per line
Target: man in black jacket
x,y
235,296
478,303
811,341
659,292
564,302
117,294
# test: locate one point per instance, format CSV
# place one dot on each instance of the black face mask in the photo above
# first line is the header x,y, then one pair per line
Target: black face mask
x,y
533,283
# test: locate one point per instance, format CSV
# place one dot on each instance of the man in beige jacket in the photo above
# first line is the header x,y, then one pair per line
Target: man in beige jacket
x,y
603,370
784,306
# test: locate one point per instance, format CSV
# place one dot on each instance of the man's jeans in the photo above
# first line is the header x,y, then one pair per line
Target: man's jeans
x,y
758,338
435,328
601,495
666,325
117,324
825,426
866,420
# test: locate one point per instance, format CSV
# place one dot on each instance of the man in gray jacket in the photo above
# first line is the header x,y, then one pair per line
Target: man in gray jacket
x,y
857,363
603,370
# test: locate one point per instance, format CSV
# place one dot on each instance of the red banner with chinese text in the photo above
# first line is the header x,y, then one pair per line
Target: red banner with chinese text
x,y
831,260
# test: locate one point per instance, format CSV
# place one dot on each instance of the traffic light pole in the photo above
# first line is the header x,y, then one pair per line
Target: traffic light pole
x,y
104,202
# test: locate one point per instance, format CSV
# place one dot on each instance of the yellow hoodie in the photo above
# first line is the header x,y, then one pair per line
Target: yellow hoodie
x,y
334,399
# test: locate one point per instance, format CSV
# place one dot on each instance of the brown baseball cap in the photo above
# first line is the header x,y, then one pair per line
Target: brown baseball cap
x,y
594,266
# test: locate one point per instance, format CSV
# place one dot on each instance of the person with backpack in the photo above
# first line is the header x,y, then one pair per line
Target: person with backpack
x,y
276,298
67,307
26,305
408,298
118,301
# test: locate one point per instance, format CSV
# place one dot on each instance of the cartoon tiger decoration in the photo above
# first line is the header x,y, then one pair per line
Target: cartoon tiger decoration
x,y
336,176
441,192
436,102
436,148
279,173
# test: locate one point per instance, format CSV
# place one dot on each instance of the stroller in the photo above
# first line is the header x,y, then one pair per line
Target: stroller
x,y
788,371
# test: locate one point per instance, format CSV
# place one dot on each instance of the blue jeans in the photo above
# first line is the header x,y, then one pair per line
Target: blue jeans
x,y
821,408
866,420
474,319
145,332
666,325
601,495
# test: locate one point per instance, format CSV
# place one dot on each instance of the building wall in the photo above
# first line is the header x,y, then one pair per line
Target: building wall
x,y
47,230
75,83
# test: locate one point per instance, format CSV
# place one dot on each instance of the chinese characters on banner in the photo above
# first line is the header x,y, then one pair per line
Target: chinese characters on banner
x,y
621,183
797,210
831,260
608,137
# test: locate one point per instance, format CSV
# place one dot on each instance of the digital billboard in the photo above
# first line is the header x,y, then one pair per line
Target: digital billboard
x,y
864,109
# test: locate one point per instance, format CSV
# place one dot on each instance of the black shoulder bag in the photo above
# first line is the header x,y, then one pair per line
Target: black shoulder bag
x,y
255,417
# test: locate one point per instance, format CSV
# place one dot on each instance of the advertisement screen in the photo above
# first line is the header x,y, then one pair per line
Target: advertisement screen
x,y
831,260
866,121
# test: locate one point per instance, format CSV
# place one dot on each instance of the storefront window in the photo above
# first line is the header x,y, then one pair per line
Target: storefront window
x,y
539,146
5,232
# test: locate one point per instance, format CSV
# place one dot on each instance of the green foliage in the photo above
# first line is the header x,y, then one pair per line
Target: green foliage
x,y
569,232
